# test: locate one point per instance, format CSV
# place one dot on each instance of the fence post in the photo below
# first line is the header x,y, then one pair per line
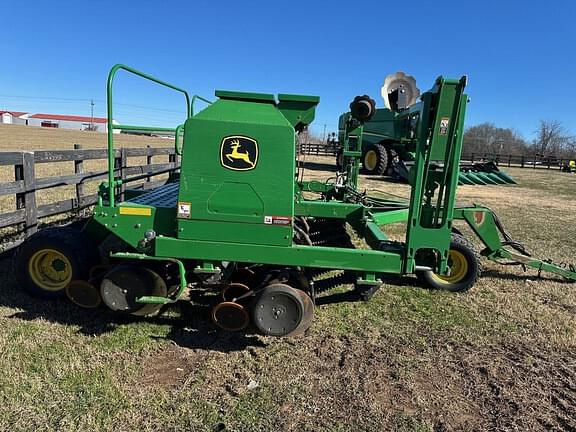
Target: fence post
x,y
148,161
124,165
522,162
27,199
472,158
173,158
120,168
79,169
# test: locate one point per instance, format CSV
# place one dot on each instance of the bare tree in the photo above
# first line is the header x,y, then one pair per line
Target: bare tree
x,y
488,138
569,151
551,138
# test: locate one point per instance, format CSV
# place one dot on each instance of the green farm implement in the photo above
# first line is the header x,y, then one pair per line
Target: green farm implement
x,y
236,218
383,144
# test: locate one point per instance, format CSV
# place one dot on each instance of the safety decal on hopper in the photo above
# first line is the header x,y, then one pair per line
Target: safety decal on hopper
x,y
184,210
277,220
135,211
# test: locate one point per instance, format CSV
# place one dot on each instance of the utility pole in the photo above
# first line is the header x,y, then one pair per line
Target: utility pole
x,y
324,134
91,114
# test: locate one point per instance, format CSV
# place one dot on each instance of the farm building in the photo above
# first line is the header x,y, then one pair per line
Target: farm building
x,y
74,122
59,121
13,117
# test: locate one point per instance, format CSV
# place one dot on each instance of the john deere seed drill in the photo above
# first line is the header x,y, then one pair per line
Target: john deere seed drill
x,y
235,220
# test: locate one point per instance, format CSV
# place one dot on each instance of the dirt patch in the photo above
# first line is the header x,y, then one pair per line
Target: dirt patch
x,y
448,386
170,367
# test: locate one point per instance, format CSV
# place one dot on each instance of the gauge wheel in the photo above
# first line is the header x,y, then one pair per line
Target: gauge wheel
x,y
46,263
375,159
464,268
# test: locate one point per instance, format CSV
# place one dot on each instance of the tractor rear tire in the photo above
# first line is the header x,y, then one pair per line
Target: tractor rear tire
x,y
340,159
50,259
375,159
465,266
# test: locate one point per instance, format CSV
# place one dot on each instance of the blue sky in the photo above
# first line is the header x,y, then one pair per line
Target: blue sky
x,y
519,56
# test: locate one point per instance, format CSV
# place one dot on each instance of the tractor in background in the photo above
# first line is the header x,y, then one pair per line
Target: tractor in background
x,y
384,150
237,221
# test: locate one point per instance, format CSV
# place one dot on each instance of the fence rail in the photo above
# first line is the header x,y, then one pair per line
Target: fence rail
x,y
519,161
318,149
27,185
510,160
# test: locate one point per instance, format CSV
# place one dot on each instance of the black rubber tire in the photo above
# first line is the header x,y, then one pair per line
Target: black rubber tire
x,y
75,246
340,159
381,162
466,248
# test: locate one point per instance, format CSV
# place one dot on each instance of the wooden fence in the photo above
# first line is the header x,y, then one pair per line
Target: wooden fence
x,y
510,160
27,185
318,149
519,161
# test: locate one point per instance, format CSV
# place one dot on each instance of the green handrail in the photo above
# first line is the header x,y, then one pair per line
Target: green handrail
x,y
111,126
177,145
209,102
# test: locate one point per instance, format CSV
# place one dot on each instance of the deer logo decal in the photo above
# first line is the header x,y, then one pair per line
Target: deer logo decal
x,y
239,153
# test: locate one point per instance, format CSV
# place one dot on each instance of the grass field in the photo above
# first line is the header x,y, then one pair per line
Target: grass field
x,y
500,357
29,138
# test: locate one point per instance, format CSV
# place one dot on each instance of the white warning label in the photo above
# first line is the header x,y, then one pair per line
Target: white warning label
x,y
444,122
277,220
184,210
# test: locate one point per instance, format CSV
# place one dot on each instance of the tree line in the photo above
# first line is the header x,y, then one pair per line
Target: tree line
x,y
552,140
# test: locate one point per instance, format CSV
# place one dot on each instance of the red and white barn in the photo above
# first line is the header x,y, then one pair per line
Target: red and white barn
x,y
60,121
69,122
13,117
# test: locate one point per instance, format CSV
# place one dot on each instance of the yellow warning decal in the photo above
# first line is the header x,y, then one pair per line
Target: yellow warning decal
x,y
136,211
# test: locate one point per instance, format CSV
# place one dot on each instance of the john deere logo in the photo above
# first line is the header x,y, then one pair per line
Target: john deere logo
x,y
239,153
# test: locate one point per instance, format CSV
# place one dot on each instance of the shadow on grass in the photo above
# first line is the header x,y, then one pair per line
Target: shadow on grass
x,y
353,296
189,322
319,166
194,328
498,274
387,179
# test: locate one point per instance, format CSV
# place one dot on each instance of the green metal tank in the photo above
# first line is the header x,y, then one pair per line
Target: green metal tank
x,y
222,196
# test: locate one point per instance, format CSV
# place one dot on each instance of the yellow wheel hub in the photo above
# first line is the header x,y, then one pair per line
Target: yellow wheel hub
x,y
458,266
50,270
370,160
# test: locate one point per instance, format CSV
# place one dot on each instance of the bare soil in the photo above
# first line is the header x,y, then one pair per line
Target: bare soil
x,y
500,357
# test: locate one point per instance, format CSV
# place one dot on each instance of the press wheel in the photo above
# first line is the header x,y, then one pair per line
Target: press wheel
x,y
280,310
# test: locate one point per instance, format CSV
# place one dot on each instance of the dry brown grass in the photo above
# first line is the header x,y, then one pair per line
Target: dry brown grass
x,y
28,138
500,357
